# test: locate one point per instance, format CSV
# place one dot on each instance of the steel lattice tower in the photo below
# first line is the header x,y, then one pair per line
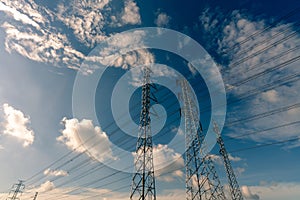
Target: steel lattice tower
x,y
202,182
235,191
16,190
143,181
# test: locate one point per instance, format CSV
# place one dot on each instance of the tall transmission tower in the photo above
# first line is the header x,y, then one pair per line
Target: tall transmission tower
x,y
16,190
143,181
235,191
202,181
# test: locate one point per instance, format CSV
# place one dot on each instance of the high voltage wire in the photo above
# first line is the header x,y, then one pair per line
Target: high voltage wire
x,y
234,151
270,59
238,62
103,178
265,145
260,43
96,181
256,33
59,160
276,67
265,114
264,130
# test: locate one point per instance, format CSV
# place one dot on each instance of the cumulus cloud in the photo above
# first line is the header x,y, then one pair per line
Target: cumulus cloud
x,y
168,163
271,96
16,124
131,13
49,172
83,137
46,187
162,20
248,194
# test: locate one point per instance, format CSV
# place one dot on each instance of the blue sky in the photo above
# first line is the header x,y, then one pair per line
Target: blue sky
x,y
43,45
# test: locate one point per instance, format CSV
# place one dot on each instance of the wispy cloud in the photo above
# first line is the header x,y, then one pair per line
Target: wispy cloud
x,y
247,57
16,124
32,30
18,15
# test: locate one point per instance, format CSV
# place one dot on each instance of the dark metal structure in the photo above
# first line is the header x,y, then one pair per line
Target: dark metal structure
x,y
202,181
235,191
16,190
143,181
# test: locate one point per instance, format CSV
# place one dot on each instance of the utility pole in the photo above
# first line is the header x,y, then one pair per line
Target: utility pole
x,y
143,181
202,182
16,190
235,191
35,196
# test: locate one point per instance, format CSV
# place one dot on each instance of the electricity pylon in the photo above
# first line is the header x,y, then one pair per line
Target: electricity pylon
x,y
143,181
235,191
202,182
15,191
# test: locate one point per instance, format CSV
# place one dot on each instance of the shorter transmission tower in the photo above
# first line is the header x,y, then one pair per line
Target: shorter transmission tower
x,y
202,181
16,190
235,191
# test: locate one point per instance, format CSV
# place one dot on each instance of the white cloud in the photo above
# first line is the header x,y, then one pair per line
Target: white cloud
x,y
219,160
46,187
248,194
162,20
271,96
168,164
248,58
31,31
50,172
174,194
85,18
1,147
274,191
83,136
234,159
131,13
16,124
18,15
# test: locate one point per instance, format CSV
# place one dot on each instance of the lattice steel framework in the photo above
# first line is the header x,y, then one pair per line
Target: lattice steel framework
x,y
143,181
202,182
235,191
16,190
